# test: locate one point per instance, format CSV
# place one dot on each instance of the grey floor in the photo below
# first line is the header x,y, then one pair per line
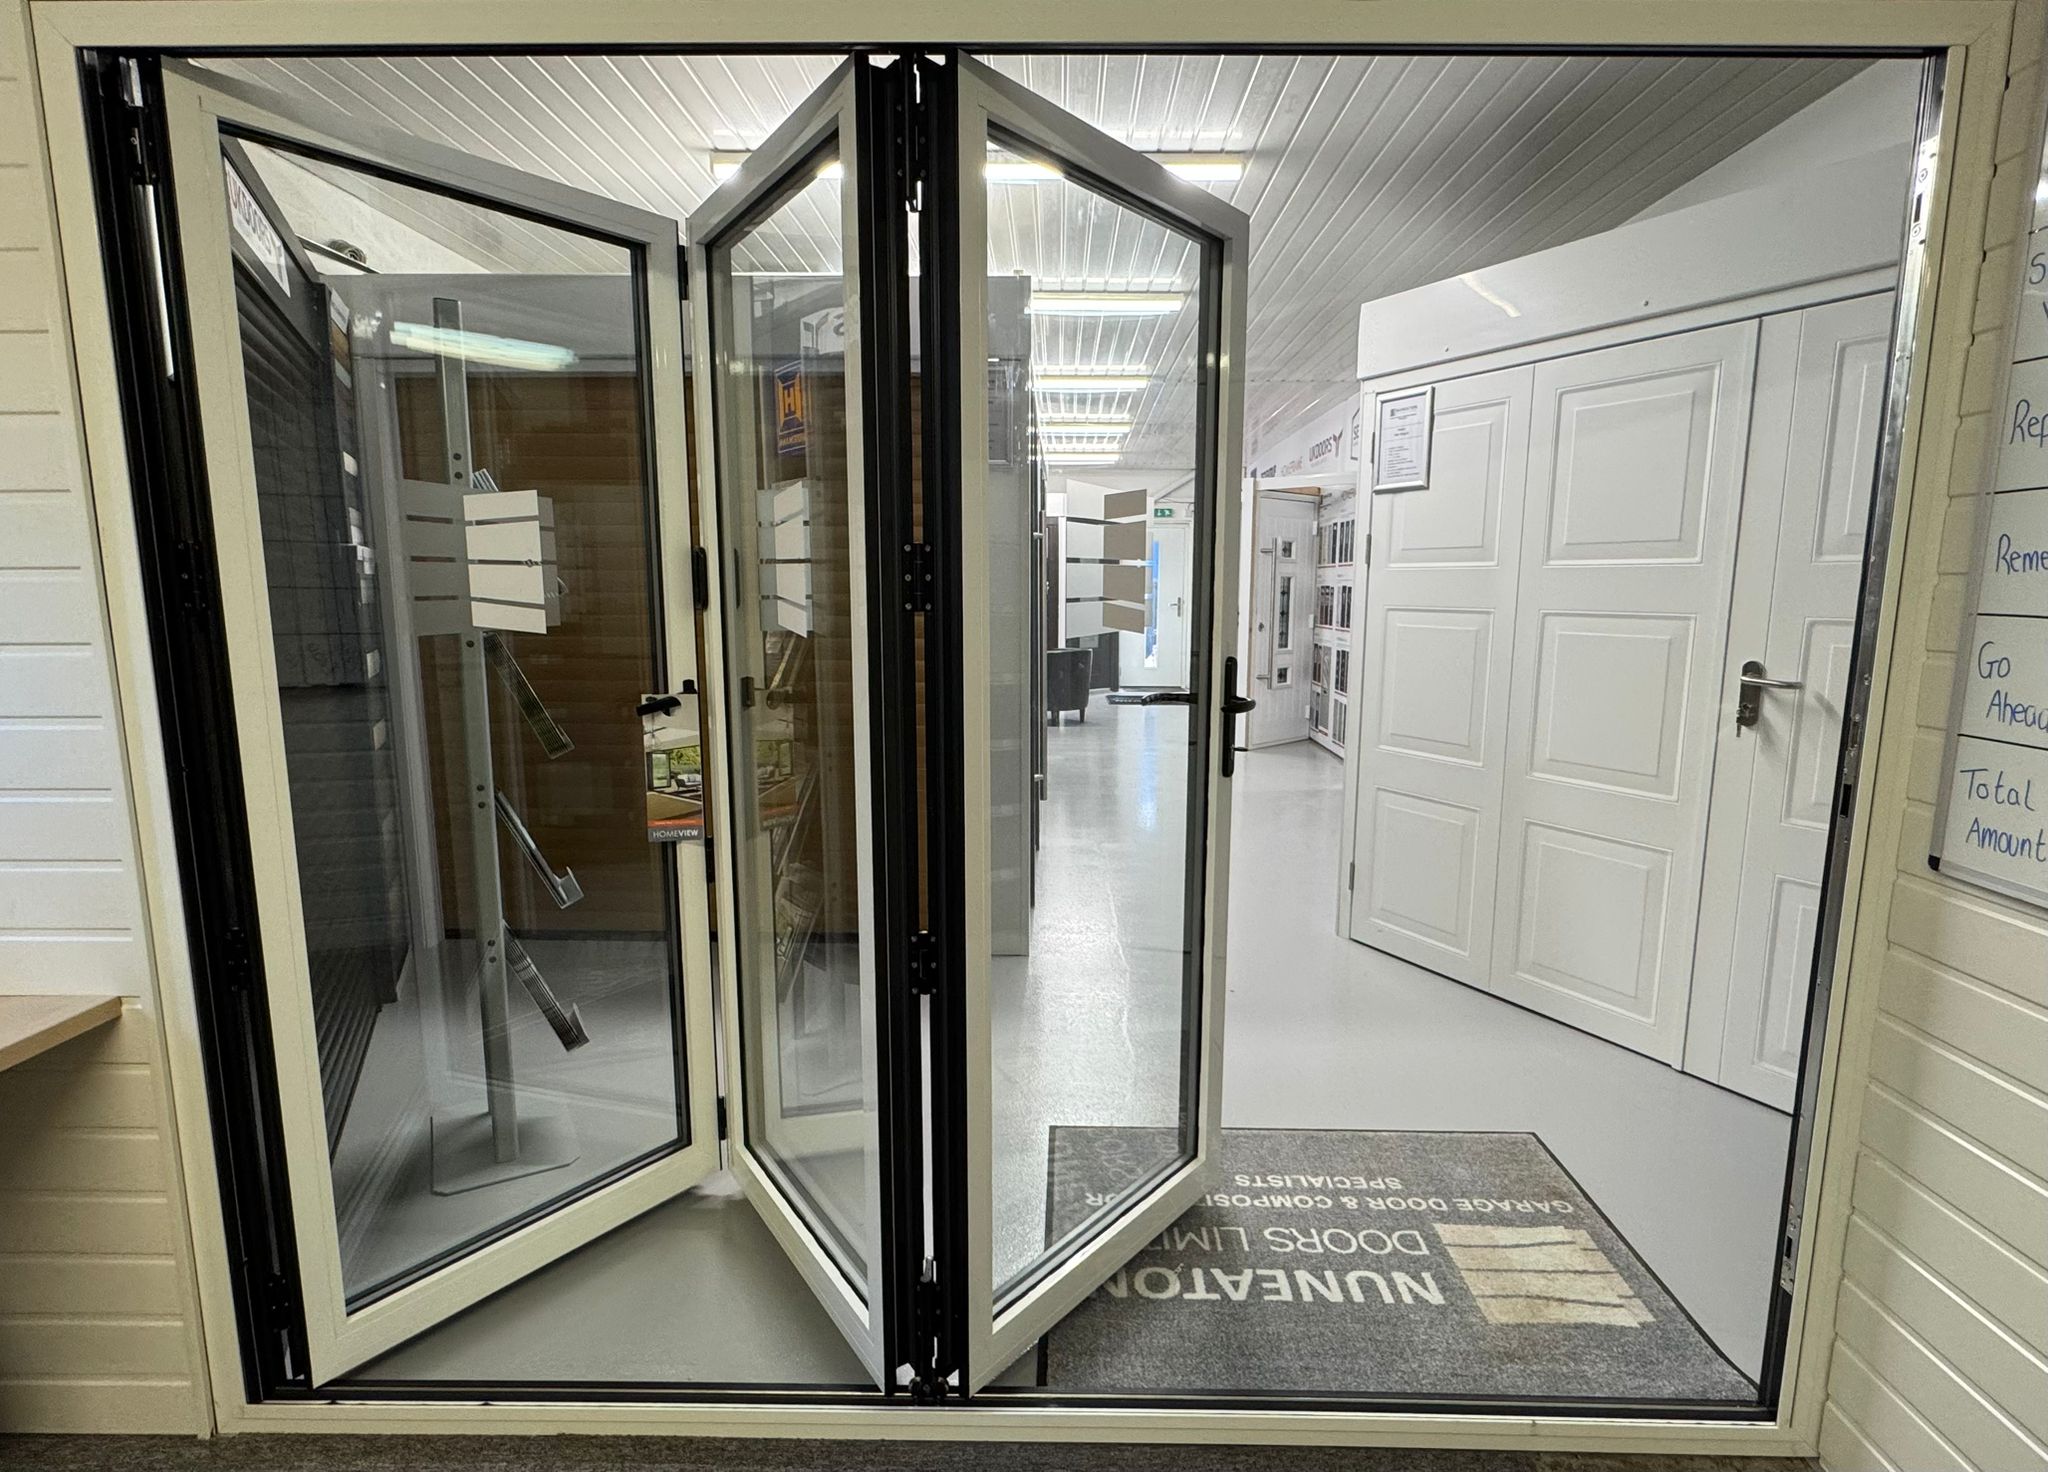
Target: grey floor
x,y
535,1454
1322,1033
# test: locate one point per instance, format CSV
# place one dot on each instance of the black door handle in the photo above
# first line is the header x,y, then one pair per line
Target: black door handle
x,y
1234,705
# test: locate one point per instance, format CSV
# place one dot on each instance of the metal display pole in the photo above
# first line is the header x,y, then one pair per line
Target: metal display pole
x,y
473,1151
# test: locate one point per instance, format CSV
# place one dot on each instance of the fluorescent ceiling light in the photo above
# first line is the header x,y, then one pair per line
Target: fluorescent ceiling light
x,y
1203,168
725,165
1088,383
480,347
1105,303
1019,171
1081,424
1078,457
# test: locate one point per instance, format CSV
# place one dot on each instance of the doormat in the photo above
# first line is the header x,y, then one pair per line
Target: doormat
x,y
1373,1263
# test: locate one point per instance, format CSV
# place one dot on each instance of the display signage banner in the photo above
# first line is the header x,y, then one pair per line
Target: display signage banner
x,y
1991,828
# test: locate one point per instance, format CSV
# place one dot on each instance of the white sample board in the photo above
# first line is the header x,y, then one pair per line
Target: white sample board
x,y
1992,825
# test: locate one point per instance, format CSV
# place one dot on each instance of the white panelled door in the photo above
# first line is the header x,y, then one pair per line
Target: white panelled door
x,y
1282,604
1431,730
1621,625
1799,570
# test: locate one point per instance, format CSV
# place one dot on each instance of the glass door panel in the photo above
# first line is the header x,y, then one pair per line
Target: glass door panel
x,y
449,504
774,259
1094,974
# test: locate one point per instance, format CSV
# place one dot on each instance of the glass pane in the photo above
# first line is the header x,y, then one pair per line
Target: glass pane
x,y
491,938
796,656
1092,973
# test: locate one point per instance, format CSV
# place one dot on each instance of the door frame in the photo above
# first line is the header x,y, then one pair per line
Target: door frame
x,y
1975,40
980,101
201,113
873,1316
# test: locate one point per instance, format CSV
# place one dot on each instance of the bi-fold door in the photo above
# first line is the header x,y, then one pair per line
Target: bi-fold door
x,y
504,713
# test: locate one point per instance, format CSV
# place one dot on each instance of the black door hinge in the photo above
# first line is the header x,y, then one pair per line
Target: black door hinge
x,y
125,84
917,577
195,581
924,963
915,138
700,578
722,1127
237,960
279,1302
929,1380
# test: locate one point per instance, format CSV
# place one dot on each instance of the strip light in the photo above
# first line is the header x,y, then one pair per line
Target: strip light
x,y
725,165
1105,303
481,347
1089,383
1081,424
1078,457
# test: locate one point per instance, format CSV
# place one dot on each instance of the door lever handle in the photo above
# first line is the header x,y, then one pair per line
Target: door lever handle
x,y
1752,682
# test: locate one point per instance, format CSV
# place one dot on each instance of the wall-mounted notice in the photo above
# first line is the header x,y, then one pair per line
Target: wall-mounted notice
x,y
1400,446
1991,828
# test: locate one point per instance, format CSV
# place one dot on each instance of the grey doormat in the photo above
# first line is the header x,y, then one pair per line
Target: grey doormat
x,y
1374,1263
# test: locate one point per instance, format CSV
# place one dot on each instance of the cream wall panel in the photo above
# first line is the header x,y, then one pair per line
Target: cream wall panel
x,y
1969,1420
1951,1326
98,1312
1941,1356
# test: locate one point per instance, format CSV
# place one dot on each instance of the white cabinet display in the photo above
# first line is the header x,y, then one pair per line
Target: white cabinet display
x,y
1604,656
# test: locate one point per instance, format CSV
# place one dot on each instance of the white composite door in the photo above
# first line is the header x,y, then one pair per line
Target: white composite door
x,y
1159,656
1282,602
1799,570
1432,700
1621,625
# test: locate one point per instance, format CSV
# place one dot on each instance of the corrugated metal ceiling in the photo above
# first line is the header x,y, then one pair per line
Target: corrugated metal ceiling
x,y
1363,175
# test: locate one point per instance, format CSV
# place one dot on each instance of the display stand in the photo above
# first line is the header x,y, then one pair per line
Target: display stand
x,y
472,1150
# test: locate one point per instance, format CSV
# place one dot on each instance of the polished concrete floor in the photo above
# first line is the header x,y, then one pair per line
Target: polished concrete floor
x,y
1322,1033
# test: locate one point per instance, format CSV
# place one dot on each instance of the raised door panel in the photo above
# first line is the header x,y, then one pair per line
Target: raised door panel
x,y
1432,703
1610,700
1436,686
1799,579
1635,478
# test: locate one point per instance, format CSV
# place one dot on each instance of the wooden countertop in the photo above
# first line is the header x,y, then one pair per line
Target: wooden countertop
x,y
32,1025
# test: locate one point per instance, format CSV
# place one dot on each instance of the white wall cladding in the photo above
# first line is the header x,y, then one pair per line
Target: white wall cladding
x,y
1363,175
98,1323
1941,1350
69,910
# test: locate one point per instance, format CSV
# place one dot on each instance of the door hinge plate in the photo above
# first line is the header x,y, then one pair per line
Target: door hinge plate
x,y
924,963
917,577
929,1380
195,585
700,578
238,961
723,1126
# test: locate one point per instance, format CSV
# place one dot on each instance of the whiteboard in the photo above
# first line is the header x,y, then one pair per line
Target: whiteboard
x,y
1991,826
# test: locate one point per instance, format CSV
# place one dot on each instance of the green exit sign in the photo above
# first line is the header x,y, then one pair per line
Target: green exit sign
x,y
1162,513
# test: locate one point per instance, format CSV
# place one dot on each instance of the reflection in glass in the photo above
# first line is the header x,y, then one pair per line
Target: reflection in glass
x,y
1091,975
490,936
795,642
